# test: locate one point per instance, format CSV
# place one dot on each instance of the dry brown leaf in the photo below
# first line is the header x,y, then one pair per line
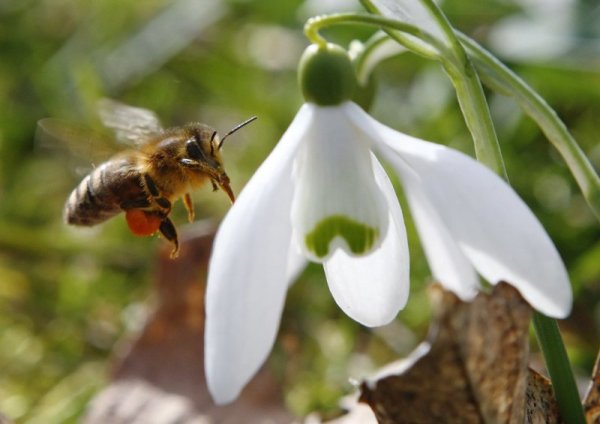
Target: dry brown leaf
x,y
591,403
492,335
160,377
472,369
540,405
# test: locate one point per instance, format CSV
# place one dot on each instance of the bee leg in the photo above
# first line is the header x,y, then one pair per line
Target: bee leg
x,y
215,187
151,186
189,206
162,202
167,229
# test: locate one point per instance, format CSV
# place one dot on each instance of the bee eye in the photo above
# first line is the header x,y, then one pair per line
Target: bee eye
x,y
193,150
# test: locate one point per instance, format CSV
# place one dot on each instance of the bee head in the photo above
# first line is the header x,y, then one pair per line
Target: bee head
x,y
201,148
202,153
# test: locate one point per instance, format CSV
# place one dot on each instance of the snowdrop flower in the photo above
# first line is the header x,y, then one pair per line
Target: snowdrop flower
x,y
322,195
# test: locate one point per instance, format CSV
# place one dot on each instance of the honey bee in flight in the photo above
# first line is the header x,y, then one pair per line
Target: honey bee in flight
x,y
145,182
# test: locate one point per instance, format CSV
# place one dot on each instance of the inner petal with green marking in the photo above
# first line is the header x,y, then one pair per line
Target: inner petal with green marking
x,y
337,203
359,237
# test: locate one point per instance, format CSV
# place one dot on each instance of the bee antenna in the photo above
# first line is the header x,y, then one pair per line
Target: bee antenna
x,y
237,127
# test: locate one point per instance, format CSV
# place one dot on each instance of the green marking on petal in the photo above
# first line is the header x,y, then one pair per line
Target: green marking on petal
x,y
359,237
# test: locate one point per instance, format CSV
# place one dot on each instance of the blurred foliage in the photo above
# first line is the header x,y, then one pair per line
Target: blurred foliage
x,y
68,294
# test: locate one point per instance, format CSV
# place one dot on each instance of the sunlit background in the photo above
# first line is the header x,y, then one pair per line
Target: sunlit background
x,y
68,295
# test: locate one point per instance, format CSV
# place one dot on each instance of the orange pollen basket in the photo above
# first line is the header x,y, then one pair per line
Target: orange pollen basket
x,y
142,223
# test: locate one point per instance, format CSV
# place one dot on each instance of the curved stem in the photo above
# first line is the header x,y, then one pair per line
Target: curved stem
x,y
502,79
448,31
470,97
402,38
361,60
476,112
314,24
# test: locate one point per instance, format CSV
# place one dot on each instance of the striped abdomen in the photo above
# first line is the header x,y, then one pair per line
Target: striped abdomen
x,y
104,191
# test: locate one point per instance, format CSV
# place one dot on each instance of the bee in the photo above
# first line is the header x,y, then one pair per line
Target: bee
x,y
144,182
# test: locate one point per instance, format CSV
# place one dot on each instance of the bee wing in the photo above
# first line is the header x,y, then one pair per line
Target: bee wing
x,y
83,148
132,125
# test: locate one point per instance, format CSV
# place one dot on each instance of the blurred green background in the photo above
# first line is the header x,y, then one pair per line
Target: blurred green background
x,y
67,295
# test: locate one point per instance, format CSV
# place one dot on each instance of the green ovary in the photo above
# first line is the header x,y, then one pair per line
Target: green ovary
x,y
359,237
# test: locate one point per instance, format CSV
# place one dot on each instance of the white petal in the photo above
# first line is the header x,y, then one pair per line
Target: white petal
x,y
249,271
448,264
337,203
372,288
489,222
